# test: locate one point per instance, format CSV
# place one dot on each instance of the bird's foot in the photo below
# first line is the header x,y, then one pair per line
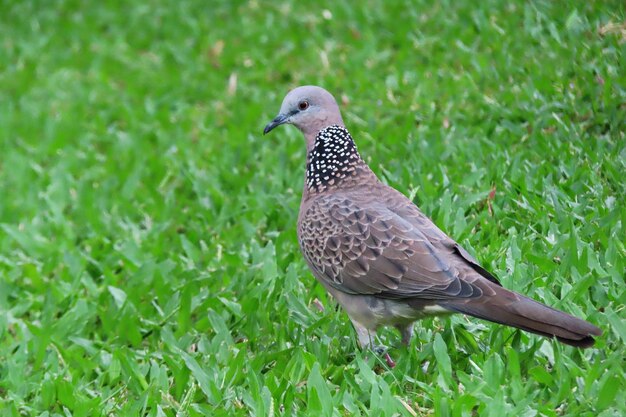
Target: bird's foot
x,y
382,351
390,362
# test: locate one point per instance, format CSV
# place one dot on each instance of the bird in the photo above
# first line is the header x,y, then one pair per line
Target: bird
x,y
379,256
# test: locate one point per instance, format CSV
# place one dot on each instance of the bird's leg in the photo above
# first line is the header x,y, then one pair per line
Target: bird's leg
x,y
407,332
365,336
366,340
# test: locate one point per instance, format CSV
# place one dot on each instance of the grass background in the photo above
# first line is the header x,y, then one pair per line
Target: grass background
x,y
148,255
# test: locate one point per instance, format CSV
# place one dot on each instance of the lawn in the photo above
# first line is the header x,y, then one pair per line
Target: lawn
x,y
149,264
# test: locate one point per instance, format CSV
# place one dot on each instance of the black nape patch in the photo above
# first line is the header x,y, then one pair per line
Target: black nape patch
x,y
334,156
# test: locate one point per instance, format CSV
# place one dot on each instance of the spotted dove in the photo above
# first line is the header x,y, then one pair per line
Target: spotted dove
x,y
379,256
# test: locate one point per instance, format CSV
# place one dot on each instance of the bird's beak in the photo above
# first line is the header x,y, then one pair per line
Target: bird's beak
x,y
278,120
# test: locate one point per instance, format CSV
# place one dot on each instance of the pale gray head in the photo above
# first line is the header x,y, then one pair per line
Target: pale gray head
x,y
310,109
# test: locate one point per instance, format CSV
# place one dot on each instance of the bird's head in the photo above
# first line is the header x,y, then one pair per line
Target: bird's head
x,y
310,109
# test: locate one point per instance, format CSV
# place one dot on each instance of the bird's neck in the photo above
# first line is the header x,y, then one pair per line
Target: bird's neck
x,y
333,161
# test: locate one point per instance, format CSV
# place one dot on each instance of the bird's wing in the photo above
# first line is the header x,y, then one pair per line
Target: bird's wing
x,y
405,208
361,247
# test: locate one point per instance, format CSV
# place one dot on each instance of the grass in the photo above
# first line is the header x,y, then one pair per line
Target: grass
x,y
148,256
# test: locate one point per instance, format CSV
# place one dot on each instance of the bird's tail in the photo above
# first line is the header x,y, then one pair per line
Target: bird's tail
x,y
512,309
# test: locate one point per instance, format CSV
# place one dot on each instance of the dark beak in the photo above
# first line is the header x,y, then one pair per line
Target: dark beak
x,y
278,120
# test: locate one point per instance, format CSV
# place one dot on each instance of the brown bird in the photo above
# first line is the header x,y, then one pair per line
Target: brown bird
x,y
379,256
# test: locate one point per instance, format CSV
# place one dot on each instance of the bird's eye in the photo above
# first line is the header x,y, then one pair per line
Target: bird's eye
x,y
303,105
